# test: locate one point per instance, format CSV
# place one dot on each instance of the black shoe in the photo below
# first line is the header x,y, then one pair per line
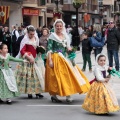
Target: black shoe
x,y
30,96
9,101
1,101
39,96
55,100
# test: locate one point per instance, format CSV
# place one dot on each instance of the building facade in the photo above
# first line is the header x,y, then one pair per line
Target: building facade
x,y
15,17
90,7
117,11
108,10
35,12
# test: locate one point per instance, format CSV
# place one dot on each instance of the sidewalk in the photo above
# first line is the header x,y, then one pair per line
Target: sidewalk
x,y
115,81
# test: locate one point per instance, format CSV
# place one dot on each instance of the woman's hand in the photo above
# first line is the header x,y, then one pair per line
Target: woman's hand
x,y
31,60
69,49
110,68
51,63
107,79
94,34
108,76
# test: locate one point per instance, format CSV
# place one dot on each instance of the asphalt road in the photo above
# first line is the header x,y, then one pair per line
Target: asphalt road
x,y
43,109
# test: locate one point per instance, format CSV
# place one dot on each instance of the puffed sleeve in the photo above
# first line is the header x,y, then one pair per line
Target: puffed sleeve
x,y
24,52
15,59
98,75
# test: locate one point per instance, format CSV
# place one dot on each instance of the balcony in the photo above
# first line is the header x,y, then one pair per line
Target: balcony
x,y
89,8
105,2
30,3
14,0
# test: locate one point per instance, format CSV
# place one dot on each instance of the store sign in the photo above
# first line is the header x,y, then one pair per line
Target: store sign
x,y
29,11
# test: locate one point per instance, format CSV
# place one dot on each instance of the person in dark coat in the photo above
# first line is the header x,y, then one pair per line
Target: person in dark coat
x,y
75,38
18,43
39,32
113,42
1,34
15,36
7,38
86,51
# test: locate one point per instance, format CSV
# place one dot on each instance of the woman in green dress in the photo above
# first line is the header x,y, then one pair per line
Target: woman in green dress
x,y
62,77
8,86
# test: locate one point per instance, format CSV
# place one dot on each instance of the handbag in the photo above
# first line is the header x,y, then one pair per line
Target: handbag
x,y
96,43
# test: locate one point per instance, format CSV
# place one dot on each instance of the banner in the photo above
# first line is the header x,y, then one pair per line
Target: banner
x,y
4,13
56,15
86,18
30,11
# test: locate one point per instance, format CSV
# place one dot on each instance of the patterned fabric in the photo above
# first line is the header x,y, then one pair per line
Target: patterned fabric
x,y
56,47
4,91
27,79
4,64
63,79
98,100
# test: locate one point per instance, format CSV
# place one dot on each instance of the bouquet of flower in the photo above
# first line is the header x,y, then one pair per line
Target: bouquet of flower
x,y
40,49
114,72
72,55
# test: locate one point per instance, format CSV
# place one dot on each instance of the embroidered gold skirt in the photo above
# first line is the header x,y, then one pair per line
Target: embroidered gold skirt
x,y
99,101
64,79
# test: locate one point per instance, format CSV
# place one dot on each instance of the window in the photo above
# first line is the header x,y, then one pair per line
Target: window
x,y
41,2
60,1
52,1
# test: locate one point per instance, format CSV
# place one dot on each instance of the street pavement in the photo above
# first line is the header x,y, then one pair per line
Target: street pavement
x,y
43,109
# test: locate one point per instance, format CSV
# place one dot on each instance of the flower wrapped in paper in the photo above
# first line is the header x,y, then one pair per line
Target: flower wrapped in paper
x,y
72,55
113,72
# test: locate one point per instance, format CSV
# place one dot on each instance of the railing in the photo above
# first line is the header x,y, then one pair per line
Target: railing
x,y
89,8
30,2
14,0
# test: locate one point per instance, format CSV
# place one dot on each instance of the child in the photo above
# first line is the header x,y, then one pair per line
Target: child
x,y
100,98
8,86
86,51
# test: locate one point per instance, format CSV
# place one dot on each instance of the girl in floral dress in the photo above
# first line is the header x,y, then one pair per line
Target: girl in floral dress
x,y
8,86
61,77
100,98
30,76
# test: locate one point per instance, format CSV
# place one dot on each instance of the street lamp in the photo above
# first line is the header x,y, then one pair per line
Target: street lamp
x,y
57,2
57,12
44,11
77,4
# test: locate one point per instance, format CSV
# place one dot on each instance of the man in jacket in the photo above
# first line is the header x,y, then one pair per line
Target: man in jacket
x,y
1,34
15,36
113,41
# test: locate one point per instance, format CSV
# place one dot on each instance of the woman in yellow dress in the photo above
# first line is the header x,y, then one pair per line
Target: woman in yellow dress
x,y
100,98
61,77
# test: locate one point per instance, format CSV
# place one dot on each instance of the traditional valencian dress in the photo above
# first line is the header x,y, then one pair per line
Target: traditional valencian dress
x,y
63,79
30,77
100,99
8,86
